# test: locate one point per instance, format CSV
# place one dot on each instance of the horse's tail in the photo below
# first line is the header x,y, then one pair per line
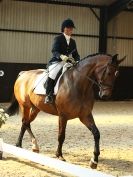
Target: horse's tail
x,y
13,107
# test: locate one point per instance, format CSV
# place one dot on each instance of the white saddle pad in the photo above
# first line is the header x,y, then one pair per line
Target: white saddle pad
x,y
41,79
39,84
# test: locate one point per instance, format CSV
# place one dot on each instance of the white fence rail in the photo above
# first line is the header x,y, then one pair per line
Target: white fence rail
x,y
72,169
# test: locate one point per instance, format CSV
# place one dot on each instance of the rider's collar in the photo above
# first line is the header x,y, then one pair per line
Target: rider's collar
x,y
67,37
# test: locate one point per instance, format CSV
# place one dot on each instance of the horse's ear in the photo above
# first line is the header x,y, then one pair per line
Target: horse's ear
x,y
114,58
121,60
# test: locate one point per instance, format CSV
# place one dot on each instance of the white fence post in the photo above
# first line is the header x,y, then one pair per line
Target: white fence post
x,y
1,148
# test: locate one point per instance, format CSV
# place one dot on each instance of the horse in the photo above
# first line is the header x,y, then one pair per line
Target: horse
x,y
74,99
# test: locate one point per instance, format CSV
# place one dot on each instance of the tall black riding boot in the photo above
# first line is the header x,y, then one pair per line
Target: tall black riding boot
x,y
49,91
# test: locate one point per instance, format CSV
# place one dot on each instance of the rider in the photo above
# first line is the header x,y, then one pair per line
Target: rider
x,y
63,47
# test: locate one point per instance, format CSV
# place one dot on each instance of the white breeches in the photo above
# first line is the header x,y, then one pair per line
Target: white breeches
x,y
55,68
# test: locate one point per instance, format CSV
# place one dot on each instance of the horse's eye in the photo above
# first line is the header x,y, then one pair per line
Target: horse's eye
x,y
116,73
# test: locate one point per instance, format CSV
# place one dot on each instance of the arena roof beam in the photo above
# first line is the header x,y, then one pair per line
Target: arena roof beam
x,y
62,3
106,14
117,7
103,29
93,11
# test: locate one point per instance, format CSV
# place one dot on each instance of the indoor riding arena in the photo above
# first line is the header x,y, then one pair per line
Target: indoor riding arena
x,y
27,32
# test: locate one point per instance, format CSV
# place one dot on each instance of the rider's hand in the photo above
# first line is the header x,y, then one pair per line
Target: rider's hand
x,y
71,60
64,58
67,59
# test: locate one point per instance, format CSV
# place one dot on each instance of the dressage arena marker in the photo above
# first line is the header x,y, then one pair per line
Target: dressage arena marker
x,y
72,169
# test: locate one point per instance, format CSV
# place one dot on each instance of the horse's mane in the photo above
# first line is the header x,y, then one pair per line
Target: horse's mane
x,y
95,54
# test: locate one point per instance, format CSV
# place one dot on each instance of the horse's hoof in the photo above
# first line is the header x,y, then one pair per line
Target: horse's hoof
x,y
18,145
61,158
35,150
93,164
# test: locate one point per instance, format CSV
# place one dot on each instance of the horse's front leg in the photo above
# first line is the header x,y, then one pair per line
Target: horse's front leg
x,y
90,124
61,136
96,134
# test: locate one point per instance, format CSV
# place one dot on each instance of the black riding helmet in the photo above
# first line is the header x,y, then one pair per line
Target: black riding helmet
x,y
68,23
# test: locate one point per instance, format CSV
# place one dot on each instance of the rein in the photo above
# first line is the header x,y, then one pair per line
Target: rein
x,y
93,81
89,78
99,84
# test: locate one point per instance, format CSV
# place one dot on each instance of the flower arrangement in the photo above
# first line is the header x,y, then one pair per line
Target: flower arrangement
x,y
3,117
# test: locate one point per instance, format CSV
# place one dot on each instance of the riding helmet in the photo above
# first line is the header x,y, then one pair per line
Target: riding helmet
x,y
68,23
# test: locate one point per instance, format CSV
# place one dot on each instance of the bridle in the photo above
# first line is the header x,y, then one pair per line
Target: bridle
x,y
101,83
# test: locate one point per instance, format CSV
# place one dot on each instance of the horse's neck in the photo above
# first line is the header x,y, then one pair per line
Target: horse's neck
x,y
93,62
81,76
81,73
86,67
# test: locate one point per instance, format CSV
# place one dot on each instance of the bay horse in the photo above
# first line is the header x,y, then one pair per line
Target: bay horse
x,y
75,98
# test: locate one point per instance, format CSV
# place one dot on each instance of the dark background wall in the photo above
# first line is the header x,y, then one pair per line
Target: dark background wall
x,y
11,71
123,89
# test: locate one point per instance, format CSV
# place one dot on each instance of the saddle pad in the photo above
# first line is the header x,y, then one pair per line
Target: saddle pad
x,y
41,79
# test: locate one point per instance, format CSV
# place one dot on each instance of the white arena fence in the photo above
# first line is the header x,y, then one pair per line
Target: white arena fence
x,y
71,169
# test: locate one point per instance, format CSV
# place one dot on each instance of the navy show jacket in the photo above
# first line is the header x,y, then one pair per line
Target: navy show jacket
x,y
60,47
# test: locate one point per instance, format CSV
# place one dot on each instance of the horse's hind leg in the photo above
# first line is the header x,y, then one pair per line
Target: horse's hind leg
x,y
25,115
33,113
20,138
61,137
35,147
28,115
90,124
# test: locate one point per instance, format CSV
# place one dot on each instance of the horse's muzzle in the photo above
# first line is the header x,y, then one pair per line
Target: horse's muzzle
x,y
105,94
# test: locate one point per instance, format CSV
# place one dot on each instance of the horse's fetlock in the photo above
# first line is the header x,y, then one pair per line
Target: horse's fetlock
x,y
96,153
58,154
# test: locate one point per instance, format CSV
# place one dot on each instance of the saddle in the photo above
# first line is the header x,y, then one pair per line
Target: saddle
x,y
41,81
